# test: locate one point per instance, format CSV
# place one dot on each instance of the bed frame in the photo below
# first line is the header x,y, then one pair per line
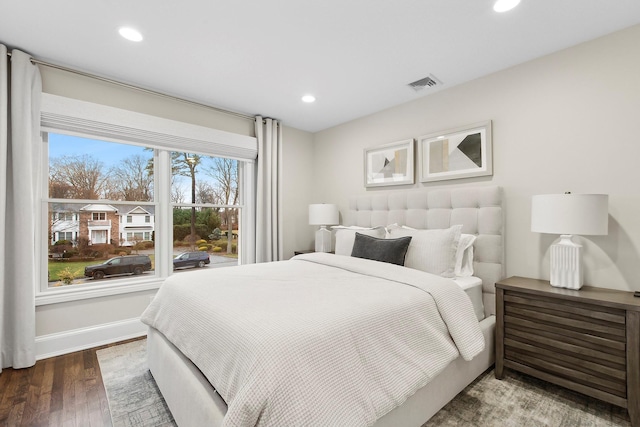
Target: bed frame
x,y
194,402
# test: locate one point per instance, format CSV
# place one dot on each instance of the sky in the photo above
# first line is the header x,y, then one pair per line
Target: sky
x,y
109,153
112,153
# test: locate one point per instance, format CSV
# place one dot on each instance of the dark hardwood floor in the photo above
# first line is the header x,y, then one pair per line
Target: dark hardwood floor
x,y
61,391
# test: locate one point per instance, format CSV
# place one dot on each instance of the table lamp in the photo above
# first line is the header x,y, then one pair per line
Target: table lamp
x,y
568,214
323,215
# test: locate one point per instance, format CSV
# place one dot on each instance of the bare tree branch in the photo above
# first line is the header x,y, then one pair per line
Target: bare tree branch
x,y
77,177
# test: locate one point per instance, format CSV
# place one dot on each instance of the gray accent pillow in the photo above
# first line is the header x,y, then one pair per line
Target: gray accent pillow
x,y
392,251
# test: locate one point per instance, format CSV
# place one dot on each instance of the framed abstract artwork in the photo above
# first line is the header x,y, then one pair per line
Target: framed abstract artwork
x,y
462,152
389,164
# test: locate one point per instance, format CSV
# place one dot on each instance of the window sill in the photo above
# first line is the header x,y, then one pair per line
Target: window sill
x,y
57,296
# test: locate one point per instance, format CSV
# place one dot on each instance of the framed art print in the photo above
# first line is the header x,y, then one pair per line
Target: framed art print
x,y
389,164
462,152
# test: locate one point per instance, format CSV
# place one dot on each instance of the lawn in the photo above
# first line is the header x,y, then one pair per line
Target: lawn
x,y
55,267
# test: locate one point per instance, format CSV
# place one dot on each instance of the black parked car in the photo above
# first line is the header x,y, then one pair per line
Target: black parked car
x,y
191,259
128,264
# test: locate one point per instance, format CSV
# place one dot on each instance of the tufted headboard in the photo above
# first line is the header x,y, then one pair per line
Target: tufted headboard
x,y
478,209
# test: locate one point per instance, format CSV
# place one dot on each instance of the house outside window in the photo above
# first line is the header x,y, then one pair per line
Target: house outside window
x,y
93,214
63,224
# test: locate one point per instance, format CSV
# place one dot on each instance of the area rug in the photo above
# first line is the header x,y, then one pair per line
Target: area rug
x,y
516,401
134,398
520,400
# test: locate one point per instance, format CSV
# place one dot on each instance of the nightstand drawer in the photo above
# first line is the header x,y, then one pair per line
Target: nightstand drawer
x,y
584,340
579,342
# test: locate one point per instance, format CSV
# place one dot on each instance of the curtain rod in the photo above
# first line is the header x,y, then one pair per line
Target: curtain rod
x,y
138,88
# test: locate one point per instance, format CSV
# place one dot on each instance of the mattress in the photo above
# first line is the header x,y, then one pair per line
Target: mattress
x,y
473,287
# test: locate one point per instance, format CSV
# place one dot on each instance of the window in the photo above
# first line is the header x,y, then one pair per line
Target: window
x,y
205,196
65,235
174,200
65,216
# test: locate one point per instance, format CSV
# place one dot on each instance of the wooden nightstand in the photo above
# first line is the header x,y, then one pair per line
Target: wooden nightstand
x,y
586,340
303,252
310,251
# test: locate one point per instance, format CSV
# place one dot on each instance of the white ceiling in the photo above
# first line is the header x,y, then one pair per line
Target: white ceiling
x,y
260,57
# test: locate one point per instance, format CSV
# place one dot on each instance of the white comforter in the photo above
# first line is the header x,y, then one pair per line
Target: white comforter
x,y
319,340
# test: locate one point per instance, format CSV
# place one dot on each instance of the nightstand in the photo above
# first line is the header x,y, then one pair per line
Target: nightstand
x,y
303,252
310,251
587,340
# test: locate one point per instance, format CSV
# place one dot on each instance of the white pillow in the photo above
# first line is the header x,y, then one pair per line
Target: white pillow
x,y
464,256
433,251
345,236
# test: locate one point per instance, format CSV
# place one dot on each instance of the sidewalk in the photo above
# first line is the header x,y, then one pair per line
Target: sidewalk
x,y
222,261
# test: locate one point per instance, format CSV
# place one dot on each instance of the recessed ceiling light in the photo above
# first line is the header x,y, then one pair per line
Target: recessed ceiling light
x,y
505,5
130,34
308,98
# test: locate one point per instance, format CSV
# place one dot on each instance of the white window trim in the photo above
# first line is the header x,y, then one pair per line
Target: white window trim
x,y
80,118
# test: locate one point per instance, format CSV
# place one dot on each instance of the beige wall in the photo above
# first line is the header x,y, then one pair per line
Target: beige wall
x,y
297,155
566,122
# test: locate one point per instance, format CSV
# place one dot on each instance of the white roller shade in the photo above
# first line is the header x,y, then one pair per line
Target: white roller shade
x,y
115,124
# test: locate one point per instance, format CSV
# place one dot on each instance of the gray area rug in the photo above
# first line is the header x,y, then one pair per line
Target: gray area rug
x,y
134,398
520,400
516,401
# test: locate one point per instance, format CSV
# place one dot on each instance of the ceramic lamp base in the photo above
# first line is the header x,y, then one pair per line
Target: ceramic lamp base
x,y
566,264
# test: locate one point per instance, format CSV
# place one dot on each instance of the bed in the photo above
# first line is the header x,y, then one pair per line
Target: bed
x,y
354,286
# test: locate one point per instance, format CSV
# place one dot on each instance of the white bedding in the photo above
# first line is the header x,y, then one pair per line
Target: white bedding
x,y
473,287
317,340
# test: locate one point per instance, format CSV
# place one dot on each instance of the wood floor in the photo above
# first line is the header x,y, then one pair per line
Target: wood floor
x,y
61,391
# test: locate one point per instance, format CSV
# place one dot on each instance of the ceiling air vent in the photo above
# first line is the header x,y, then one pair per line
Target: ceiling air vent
x,y
427,82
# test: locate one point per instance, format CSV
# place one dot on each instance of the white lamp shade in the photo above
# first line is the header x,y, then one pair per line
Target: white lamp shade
x,y
323,214
582,214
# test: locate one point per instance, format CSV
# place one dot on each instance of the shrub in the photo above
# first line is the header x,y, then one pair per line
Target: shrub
x,y
148,245
217,249
62,242
203,248
201,242
83,246
215,235
60,248
67,275
101,249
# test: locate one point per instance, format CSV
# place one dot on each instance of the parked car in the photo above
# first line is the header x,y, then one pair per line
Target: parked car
x,y
191,259
128,264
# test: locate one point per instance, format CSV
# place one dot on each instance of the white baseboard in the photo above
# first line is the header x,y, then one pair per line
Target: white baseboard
x,y
81,339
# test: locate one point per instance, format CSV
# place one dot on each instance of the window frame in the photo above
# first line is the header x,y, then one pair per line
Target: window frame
x,y
79,118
